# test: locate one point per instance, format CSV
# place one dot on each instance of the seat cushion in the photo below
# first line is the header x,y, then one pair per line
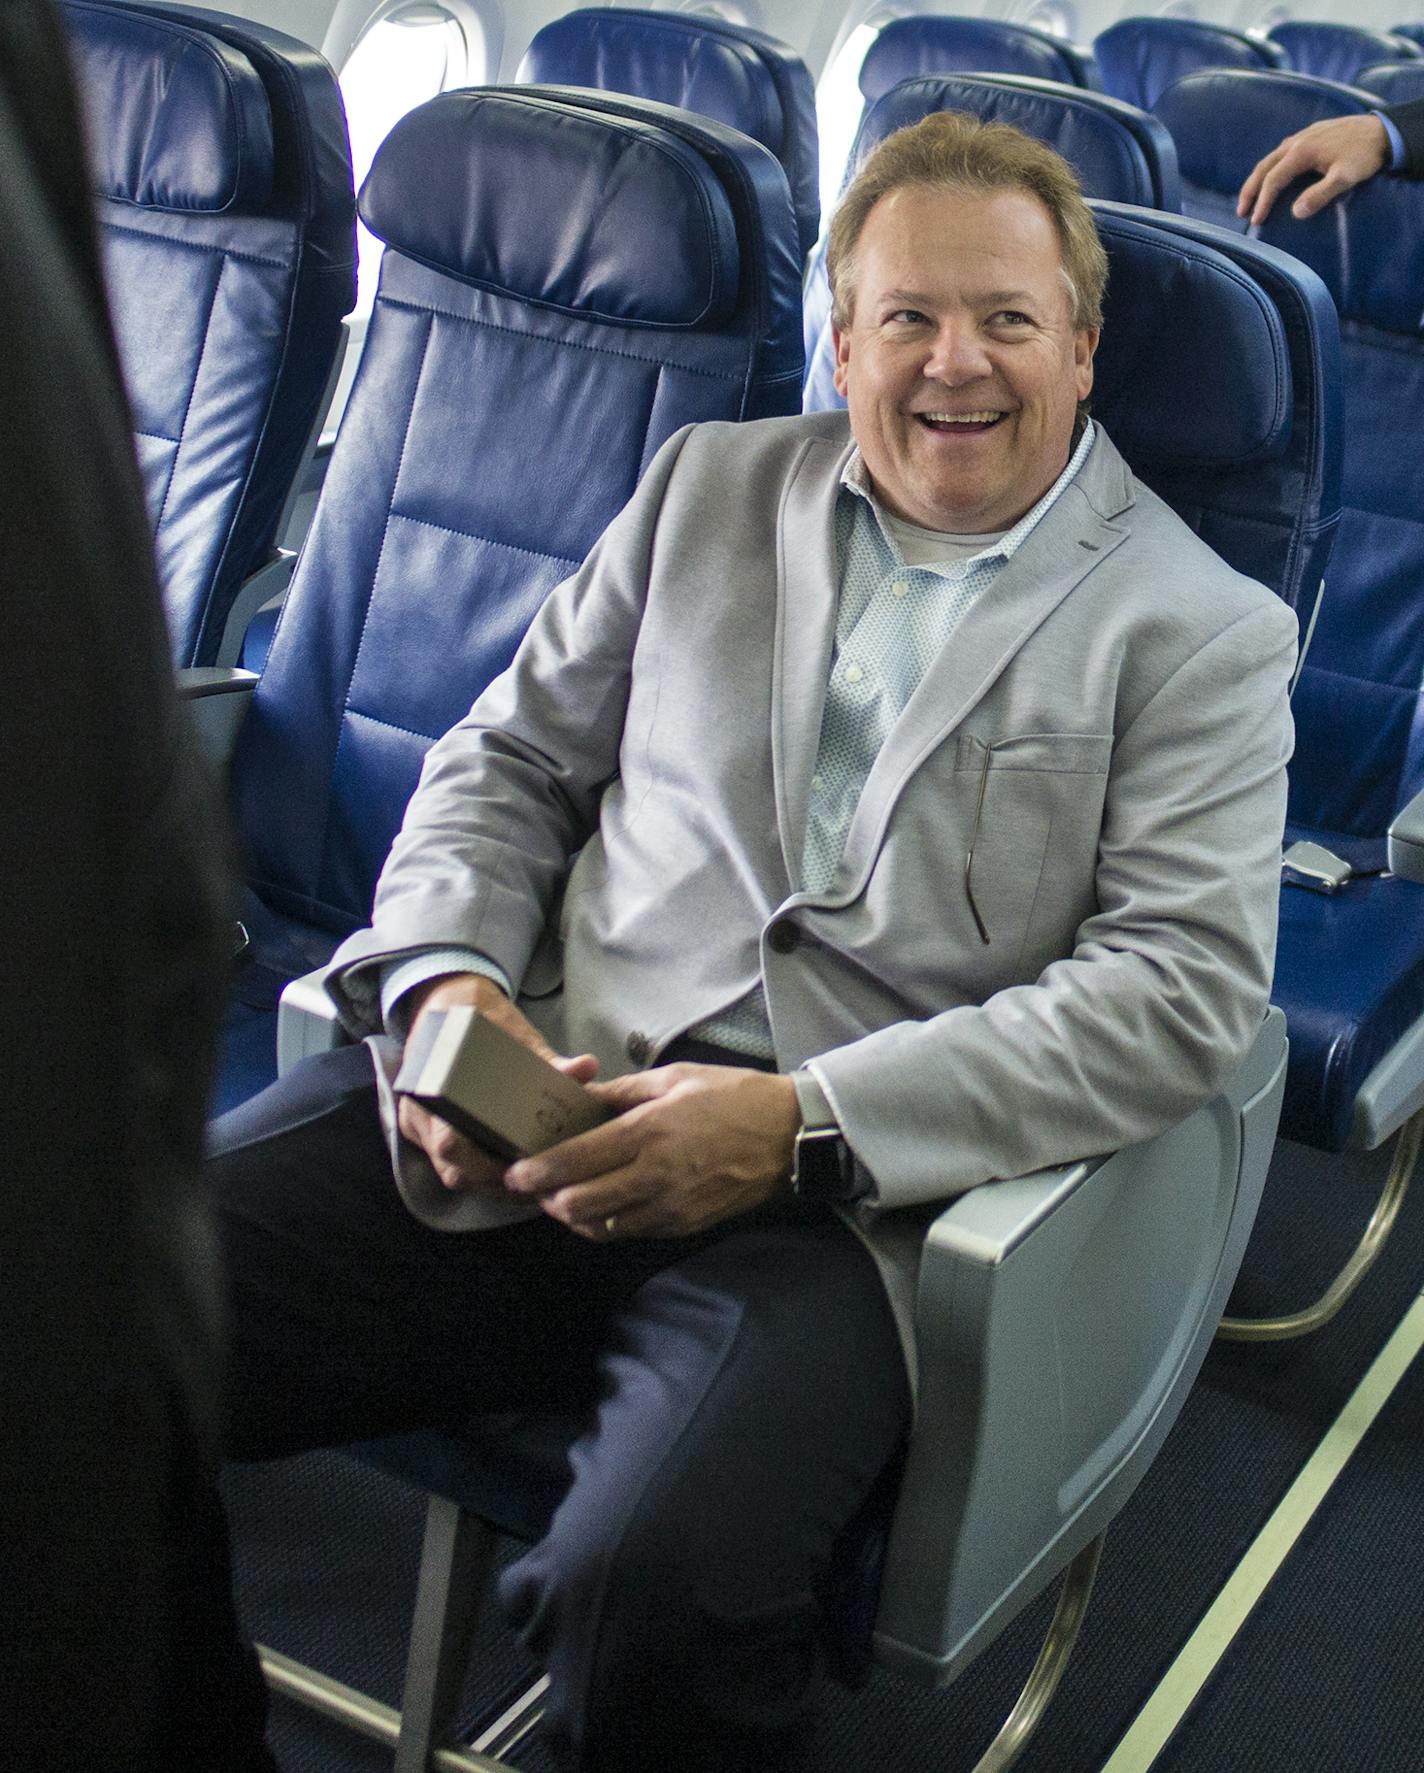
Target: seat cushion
x,y
1350,979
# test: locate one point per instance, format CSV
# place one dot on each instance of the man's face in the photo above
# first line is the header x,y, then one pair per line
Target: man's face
x,y
960,364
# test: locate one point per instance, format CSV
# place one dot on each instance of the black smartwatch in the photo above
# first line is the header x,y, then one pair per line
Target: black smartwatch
x,y
823,1166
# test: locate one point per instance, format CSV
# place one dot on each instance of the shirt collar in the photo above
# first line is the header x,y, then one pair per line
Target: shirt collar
x,y
855,478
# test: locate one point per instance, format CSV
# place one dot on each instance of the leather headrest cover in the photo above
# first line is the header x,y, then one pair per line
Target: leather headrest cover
x,y
1210,390
1226,119
1117,152
935,44
641,231
178,120
671,59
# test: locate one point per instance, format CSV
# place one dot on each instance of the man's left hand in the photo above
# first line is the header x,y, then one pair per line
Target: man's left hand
x,y
691,1145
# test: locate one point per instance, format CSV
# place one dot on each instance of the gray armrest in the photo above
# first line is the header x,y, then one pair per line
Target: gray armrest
x,y
1406,840
217,697
1062,1318
306,1021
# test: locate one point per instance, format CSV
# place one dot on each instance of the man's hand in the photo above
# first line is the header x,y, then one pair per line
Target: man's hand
x,y
1344,150
691,1145
459,1164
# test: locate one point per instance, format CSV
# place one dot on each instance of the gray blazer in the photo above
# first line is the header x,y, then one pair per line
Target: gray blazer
x,y
1108,727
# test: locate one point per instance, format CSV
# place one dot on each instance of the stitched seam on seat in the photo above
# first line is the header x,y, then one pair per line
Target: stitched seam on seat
x,y
188,403
715,375
370,599
392,726
227,252
156,436
471,535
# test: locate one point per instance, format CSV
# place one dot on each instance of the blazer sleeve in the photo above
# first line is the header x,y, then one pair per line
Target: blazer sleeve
x,y
1167,981
509,795
1408,119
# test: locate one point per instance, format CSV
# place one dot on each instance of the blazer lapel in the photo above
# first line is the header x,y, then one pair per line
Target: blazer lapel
x,y
1059,552
807,577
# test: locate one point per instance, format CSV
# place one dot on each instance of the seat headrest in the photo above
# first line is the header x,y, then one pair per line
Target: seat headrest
x,y
1338,52
664,57
1216,391
1393,83
1224,120
1117,151
178,119
935,44
1140,57
642,232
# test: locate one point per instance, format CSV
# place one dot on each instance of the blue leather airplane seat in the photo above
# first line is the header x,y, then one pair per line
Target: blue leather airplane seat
x,y
1139,57
1338,52
1207,112
569,277
1393,83
738,75
223,171
937,43
1413,32
1117,151
1350,963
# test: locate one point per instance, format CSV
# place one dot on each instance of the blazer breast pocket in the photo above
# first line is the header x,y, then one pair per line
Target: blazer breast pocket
x,y
1035,806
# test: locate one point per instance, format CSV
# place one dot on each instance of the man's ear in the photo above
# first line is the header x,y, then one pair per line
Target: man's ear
x,y
1085,343
841,341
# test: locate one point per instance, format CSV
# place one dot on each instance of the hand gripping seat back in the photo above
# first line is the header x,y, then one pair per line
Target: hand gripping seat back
x,y
1139,58
224,181
939,44
1338,52
568,279
733,73
1224,120
1117,151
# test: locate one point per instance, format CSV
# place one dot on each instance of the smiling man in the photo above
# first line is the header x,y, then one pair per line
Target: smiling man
x,y
891,802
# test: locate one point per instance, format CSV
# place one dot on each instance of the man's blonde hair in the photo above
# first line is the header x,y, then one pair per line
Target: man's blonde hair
x,y
952,151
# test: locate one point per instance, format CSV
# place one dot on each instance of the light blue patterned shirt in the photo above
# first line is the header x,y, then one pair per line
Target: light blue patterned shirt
x,y
891,622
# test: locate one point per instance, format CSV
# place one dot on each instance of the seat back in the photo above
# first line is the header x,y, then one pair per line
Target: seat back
x,y
1338,52
224,181
1359,736
1393,83
1139,57
569,278
937,43
1207,113
1116,150
738,75
1412,33
1237,426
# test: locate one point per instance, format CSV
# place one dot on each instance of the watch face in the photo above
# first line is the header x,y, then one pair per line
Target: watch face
x,y
825,1169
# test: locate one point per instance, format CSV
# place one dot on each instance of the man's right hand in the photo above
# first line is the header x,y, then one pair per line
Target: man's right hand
x,y
459,1164
1345,151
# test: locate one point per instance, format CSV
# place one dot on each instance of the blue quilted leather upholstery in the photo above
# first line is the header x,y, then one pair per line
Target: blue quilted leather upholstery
x,y
738,75
943,44
1139,58
1350,970
1338,52
510,395
228,222
1117,151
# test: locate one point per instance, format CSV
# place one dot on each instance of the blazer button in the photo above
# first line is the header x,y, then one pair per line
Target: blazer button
x,y
783,937
637,1046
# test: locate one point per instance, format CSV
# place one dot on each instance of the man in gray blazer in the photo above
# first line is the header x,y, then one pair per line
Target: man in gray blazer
x,y
891,802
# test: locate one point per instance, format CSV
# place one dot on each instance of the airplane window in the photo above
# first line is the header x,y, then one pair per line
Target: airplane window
x,y
1054,16
838,107
406,55
1181,9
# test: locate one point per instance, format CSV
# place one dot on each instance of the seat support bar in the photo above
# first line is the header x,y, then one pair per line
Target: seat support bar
x,y
1362,1259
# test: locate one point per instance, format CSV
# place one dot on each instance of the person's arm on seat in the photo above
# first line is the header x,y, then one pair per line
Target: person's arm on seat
x,y
1345,151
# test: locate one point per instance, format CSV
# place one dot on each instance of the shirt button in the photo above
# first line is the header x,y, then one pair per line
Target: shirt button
x,y
900,588
853,673
783,937
637,1046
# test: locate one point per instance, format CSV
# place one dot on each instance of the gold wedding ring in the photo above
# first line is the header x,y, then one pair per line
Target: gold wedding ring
x,y
610,1224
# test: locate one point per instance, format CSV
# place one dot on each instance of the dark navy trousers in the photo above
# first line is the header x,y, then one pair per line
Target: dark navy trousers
x,y
745,1388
